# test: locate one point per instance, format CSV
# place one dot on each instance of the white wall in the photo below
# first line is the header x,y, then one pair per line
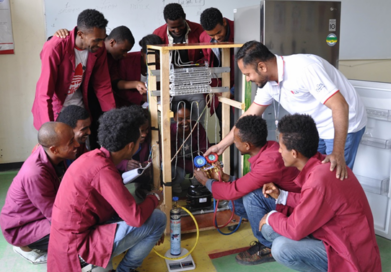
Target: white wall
x,y
20,72
18,76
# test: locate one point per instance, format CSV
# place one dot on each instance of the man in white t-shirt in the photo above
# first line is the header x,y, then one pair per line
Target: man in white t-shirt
x,y
306,84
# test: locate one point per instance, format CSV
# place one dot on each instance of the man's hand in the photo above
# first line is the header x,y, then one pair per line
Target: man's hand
x,y
214,149
161,240
201,176
160,194
217,172
337,161
133,164
270,189
61,33
141,88
262,222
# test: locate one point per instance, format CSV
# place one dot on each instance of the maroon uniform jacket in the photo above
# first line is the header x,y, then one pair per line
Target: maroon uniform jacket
x,y
57,70
335,212
193,37
90,194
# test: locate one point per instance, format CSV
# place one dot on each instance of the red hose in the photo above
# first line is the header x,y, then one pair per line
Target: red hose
x,y
215,211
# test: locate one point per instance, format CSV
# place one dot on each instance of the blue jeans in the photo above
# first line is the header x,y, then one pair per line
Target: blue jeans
x,y
308,254
138,241
351,145
254,206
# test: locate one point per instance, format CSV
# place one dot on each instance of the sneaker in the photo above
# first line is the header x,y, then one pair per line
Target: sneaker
x,y
34,256
256,254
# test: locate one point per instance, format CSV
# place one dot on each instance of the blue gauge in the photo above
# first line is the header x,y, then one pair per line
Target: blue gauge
x,y
199,161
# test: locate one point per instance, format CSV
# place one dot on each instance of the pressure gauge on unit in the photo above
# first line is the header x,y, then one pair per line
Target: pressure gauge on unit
x,y
211,158
199,161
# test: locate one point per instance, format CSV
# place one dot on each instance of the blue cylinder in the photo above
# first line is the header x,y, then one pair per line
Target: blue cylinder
x,y
175,226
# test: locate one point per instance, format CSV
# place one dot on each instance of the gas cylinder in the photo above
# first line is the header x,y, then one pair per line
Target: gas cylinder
x,y
175,225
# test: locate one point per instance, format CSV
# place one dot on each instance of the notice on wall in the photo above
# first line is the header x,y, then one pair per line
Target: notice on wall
x,y
6,38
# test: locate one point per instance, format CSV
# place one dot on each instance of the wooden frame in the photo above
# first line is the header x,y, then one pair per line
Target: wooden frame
x,y
164,141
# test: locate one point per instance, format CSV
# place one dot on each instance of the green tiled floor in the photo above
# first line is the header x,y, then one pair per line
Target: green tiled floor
x,y
210,242
228,263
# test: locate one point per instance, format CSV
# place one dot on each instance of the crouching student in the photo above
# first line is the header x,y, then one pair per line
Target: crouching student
x,y
197,142
92,193
27,213
250,136
331,227
78,118
141,157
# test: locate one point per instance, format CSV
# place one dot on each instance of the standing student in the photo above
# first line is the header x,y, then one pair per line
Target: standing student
x,y
178,30
305,83
27,213
331,227
92,194
117,43
69,65
217,29
134,68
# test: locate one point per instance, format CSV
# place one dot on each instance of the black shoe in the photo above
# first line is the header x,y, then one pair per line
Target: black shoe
x,y
256,254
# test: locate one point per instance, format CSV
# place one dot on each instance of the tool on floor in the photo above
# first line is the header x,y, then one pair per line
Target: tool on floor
x,y
177,258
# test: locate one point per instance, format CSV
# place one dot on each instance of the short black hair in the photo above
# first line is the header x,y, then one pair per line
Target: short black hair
x,y
150,39
173,12
299,132
252,129
121,34
90,18
71,114
140,110
119,127
178,105
210,18
253,52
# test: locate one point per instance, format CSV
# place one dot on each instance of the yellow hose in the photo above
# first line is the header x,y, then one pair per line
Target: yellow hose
x,y
188,253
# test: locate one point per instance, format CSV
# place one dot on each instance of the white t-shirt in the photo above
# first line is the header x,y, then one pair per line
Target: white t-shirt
x,y
75,94
306,82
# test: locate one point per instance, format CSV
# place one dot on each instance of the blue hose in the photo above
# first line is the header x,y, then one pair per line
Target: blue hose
x,y
223,233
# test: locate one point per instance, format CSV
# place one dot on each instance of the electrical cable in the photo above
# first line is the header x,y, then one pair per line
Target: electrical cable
x,y
196,242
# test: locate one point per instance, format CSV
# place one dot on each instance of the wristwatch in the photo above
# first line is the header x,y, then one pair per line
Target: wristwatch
x,y
155,194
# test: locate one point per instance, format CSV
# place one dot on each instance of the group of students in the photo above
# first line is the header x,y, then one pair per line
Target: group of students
x,y
88,68
306,210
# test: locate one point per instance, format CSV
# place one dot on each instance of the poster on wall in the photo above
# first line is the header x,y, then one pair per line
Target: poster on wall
x,y
6,38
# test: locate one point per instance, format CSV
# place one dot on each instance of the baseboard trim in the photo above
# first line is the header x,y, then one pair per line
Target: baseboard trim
x,y
10,166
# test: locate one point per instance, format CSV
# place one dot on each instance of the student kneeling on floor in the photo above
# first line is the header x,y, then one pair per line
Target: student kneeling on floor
x,y
331,227
92,193
250,137
27,213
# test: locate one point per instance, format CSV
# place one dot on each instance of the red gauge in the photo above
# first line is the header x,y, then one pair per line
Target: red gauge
x,y
212,157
